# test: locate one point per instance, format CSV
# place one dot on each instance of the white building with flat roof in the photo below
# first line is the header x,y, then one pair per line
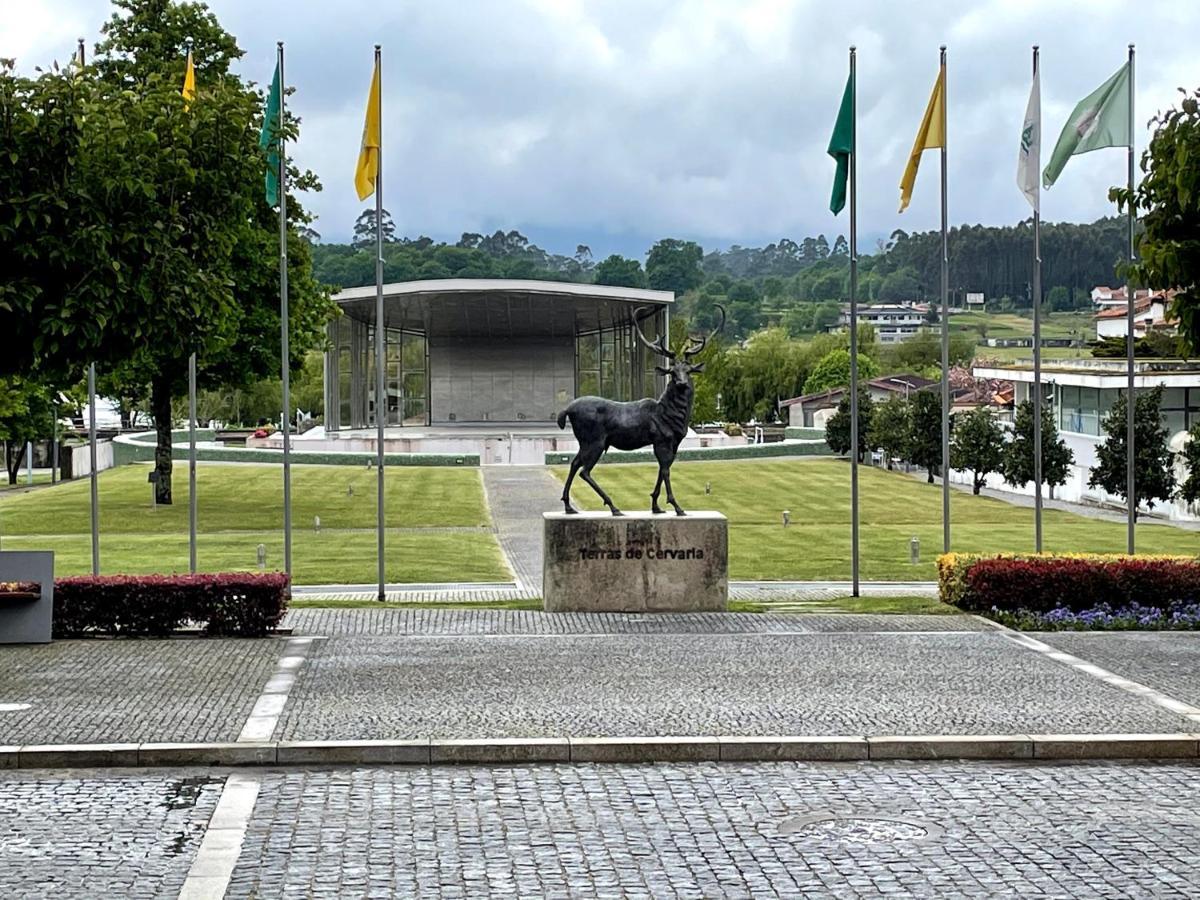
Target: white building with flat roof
x,y
893,322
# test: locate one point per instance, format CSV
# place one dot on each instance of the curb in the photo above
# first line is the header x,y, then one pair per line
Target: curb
x,y
649,749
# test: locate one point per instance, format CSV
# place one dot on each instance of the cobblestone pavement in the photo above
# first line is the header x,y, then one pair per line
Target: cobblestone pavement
x,y
101,833
517,496
1166,660
101,691
587,684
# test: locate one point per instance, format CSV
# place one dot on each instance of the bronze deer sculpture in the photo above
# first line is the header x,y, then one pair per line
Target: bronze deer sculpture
x,y
599,424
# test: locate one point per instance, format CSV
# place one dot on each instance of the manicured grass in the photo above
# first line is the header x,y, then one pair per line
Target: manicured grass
x,y
22,481
894,508
1017,354
1010,325
241,506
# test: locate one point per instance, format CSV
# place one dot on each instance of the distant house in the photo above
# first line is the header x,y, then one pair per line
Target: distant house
x,y
1149,311
893,322
814,410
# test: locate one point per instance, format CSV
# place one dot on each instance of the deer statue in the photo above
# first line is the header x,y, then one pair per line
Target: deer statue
x,y
599,424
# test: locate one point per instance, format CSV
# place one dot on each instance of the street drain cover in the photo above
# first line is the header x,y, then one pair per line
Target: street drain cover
x,y
854,829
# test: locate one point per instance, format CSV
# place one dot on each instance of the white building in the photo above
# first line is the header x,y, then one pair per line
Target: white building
x,y
893,322
1082,393
1148,312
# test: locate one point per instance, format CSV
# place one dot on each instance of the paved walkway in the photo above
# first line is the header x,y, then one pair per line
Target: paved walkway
x,y
667,830
393,673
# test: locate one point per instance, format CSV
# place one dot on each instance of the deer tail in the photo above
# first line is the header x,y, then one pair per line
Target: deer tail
x,y
562,419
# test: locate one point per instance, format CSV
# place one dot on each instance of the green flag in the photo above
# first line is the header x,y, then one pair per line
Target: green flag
x,y
1101,119
841,145
268,140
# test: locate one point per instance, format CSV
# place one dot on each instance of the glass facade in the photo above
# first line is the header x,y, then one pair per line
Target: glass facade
x,y
1083,409
611,362
351,381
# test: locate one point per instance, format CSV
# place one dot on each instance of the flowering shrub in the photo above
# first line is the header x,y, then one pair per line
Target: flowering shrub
x,y
247,605
1134,616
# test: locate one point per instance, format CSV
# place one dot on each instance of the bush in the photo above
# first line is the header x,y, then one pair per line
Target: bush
x,y
1076,583
241,604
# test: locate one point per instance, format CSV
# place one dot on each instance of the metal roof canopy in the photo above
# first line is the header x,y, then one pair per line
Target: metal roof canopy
x,y
499,307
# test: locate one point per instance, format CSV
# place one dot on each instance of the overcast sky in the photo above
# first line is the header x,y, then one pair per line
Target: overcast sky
x,y
617,122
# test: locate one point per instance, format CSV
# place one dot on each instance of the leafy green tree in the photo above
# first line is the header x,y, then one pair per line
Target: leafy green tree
x,y
890,428
925,432
617,270
26,414
674,265
837,429
834,371
769,368
978,445
1058,299
1057,457
1153,474
1189,491
902,284
364,229
1168,201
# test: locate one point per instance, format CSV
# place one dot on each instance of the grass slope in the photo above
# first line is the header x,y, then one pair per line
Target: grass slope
x,y
241,506
894,508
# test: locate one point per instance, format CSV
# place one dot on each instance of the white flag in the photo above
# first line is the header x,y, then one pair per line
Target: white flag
x,y
1029,161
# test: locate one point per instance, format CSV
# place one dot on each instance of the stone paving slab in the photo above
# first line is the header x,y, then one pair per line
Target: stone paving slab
x,y
105,691
1168,661
723,830
598,685
385,620
101,833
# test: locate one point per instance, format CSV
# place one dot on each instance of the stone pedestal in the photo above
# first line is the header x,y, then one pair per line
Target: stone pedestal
x,y
639,562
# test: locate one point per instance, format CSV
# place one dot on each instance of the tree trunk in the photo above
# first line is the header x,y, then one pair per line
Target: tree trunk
x,y
12,461
978,484
929,475
160,406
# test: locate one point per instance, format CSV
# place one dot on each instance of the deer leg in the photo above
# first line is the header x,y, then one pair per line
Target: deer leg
x,y
566,494
585,473
654,507
665,456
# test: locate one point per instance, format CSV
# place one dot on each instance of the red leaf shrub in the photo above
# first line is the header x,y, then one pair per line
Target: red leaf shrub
x,y
242,604
1043,583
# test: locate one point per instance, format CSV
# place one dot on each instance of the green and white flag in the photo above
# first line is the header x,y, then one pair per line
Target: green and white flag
x,y
1101,119
268,140
1030,155
841,145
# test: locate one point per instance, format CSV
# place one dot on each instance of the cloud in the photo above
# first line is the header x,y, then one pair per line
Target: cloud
x,y
628,120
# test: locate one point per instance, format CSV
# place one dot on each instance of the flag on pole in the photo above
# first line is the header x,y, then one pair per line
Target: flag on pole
x,y
367,170
1101,119
841,146
268,139
189,82
1030,156
930,135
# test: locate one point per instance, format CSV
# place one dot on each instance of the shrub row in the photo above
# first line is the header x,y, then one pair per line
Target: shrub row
x,y
1039,584
743,451
140,448
240,604
796,433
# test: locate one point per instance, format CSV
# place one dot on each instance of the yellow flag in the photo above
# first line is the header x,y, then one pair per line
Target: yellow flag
x,y
189,83
367,171
931,134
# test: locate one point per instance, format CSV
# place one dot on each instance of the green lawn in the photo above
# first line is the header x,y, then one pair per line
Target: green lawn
x,y
894,508
22,481
241,506
1010,325
1025,354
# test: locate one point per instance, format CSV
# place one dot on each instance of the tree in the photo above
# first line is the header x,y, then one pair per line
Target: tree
x,y
1153,474
978,445
925,432
364,229
1189,491
890,428
837,429
1058,299
26,414
1168,197
900,285
618,270
834,371
674,265
1057,457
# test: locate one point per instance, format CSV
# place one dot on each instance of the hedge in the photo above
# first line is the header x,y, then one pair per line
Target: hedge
x,y
1038,584
240,604
740,451
796,433
140,448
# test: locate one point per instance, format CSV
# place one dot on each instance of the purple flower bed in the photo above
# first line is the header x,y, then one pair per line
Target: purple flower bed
x,y
1103,617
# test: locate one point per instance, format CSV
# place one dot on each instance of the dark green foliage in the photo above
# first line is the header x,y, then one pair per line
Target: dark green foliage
x,y
925,434
1057,457
838,430
1154,476
26,414
1189,491
891,428
674,265
978,445
833,371
618,270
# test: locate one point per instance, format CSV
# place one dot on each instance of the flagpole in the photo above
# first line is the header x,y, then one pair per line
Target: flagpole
x,y
1037,335
853,327
91,380
192,463
380,401
1130,478
284,351
945,324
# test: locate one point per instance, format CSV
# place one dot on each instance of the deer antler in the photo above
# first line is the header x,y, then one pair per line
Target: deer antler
x,y
659,346
700,343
